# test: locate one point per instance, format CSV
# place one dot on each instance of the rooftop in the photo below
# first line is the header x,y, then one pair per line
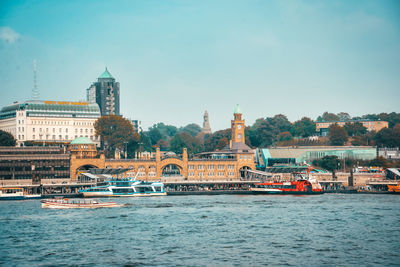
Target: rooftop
x,y
106,75
81,141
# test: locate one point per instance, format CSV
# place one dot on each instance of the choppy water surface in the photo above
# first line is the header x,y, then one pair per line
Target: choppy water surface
x,y
220,230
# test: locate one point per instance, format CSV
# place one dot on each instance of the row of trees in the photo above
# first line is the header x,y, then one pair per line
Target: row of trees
x,y
276,130
118,134
357,135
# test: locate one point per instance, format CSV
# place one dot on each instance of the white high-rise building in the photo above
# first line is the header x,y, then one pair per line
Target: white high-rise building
x,y
50,121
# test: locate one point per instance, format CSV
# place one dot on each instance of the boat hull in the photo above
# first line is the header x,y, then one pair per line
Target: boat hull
x,y
110,194
394,188
281,192
12,198
23,197
58,205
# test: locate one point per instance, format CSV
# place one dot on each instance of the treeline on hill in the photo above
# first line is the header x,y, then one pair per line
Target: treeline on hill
x,y
117,133
276,130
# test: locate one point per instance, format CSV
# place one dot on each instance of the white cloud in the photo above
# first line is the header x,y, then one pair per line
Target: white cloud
x,y
8,35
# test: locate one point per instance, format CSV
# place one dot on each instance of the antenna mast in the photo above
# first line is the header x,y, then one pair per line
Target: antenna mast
x,y
35,91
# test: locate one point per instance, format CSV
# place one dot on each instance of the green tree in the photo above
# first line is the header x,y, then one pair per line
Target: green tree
x,y
264,132
222,143
388,137
328,117
182,140
212,141
379,162
330,163
115,133
155,135
355,128
304,127
192,129
344,116
337,135
359,141
285,136
6,139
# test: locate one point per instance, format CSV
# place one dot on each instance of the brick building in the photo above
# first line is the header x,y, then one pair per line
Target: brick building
x,y
227,164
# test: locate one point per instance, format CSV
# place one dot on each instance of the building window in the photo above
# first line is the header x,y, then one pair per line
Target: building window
x,y
66,130
66,137
54,130
239,136
191,167
33,137
33,129
60,130
221,167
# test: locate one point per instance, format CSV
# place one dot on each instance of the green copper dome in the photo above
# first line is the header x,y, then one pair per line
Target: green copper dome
x,y
237,110
81,141
106,75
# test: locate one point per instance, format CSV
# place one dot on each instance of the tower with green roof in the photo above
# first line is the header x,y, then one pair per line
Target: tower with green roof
x,y
105,92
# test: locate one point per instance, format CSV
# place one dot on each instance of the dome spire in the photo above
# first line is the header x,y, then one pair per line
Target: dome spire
x,y
237,110
106,75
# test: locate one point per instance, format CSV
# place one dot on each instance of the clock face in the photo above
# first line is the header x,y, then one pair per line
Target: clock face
x,y
239,126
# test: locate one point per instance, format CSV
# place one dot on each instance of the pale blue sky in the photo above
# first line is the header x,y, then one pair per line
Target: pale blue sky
x,y
175,59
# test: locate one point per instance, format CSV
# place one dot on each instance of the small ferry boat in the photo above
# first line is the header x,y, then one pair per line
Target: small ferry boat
x,y
15,193
301,187
394,188
125,188
77,204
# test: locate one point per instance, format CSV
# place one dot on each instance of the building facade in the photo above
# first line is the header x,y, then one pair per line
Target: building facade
x,y
105,92
49,121
306,154
323,127
389,153
34,164
228,164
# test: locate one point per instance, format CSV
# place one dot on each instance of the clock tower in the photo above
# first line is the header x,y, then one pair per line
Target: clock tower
x,y
237,126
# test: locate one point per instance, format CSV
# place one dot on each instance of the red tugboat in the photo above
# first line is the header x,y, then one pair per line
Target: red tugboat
x,y
300,187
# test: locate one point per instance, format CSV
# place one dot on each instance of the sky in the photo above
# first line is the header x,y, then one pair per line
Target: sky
x,y
176,59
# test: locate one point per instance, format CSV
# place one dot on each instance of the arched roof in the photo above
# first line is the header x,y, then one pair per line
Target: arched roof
x,y
81,141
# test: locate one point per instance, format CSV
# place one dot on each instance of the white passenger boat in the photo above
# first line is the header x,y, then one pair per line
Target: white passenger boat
x,y
125,188
77,204
15,193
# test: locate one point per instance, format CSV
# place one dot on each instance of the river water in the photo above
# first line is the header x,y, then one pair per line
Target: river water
x,y
222,230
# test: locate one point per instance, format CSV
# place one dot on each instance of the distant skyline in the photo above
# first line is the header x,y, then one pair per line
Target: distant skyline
x,y
176,59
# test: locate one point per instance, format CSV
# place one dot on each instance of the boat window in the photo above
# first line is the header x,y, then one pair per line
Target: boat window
x,y
157,188
143,189
123,190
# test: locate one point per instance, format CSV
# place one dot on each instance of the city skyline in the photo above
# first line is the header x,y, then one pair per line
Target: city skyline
x,y
176,59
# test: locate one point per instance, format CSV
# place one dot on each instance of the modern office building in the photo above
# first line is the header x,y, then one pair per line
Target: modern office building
x,y
39,121
105,92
